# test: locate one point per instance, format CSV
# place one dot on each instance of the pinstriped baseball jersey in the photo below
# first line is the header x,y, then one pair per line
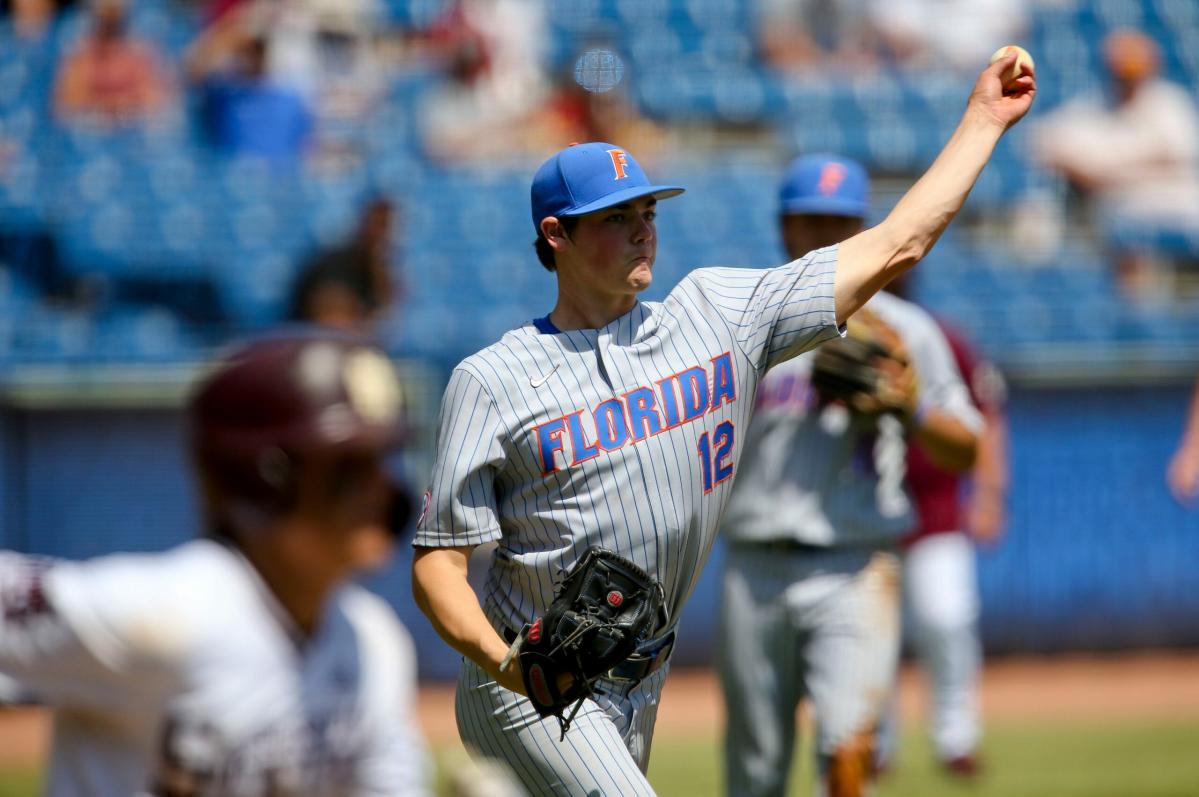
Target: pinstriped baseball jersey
x,y
625,437
825,477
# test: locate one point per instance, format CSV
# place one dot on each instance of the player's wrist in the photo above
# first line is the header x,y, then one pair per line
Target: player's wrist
x,y
979,121
914,415
492,652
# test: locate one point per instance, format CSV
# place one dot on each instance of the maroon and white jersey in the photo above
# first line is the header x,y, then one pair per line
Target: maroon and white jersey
x,y
937,492
179,674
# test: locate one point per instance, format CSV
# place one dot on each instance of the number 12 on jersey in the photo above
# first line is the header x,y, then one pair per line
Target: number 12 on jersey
x,y
714,453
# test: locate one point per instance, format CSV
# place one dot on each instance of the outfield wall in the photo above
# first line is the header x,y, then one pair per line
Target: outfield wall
x,y
1097,555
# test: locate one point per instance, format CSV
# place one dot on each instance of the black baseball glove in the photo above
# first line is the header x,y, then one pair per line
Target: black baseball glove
x,y
603,610
867,370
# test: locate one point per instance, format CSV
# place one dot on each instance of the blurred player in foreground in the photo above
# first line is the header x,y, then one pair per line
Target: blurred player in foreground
x,y
1183,473
940,581
811,586
241,662
618,424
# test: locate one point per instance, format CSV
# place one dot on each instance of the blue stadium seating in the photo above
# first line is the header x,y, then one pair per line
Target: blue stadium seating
x,y
153,223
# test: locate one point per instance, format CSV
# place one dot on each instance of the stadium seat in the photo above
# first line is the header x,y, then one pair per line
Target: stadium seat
x,y
146,215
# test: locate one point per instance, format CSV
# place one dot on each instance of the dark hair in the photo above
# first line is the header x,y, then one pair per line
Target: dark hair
x,y
545,253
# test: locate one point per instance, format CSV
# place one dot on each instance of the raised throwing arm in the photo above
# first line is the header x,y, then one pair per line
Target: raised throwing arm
x,y
874,257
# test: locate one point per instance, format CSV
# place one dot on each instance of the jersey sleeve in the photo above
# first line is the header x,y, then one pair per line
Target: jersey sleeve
x,y
941,383
988,388
460,507
80,634
775,313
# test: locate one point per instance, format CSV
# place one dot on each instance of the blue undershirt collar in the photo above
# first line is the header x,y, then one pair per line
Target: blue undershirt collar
x,y
545,326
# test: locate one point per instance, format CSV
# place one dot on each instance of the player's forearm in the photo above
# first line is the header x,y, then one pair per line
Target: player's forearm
x,y
949,443
930,205
441,589
990,469
874,257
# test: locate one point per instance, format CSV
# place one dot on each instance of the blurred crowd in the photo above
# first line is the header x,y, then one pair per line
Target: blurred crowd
x,y
289,79
297,84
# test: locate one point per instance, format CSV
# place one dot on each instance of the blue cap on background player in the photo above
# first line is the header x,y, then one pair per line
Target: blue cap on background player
x,y
825,185
587,177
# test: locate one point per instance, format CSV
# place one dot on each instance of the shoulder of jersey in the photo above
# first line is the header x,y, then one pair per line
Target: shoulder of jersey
x,y
700,279
365,606
205,579
379,626
510,359
162,605
514,339
908,317
183,570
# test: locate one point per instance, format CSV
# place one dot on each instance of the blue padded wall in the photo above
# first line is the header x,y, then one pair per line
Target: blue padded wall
x,y
9,520
1097,554
101,481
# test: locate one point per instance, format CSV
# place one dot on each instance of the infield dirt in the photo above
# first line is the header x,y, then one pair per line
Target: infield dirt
x,y
1157,685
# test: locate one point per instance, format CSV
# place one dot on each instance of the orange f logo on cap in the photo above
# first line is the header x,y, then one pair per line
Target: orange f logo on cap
x,y
619,163
831,177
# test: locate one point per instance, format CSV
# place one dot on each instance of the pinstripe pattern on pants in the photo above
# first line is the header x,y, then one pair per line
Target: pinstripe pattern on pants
x,y
605,752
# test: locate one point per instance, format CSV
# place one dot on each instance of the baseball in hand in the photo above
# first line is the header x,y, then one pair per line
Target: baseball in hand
x,y
1022,66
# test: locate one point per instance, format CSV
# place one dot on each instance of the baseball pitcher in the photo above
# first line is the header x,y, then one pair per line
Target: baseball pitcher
x,y
597,447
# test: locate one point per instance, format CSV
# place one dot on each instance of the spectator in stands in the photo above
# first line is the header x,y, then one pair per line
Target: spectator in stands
x,y
246,111
494,83
214,10
347,287
331,50
798,35
960,34
1183,475
583,107
1134,152
111,78
30,18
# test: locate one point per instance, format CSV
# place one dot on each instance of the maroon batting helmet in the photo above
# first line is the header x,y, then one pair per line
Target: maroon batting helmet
x,y
273,401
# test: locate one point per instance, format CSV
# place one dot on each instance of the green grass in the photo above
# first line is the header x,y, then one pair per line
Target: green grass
x,y
1143,759
19,783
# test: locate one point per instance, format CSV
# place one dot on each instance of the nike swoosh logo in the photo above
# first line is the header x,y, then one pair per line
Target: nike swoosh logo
x,y
544,378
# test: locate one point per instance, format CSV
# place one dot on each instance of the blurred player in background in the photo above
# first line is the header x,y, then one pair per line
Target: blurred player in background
x,y
811,587
242,662
1183,474
940,582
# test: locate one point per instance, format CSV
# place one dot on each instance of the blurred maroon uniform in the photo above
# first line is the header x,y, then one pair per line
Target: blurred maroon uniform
x,y
940,582
938,494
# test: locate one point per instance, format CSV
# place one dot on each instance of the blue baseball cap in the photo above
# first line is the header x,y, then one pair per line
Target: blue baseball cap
x,y
825,185
587,177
